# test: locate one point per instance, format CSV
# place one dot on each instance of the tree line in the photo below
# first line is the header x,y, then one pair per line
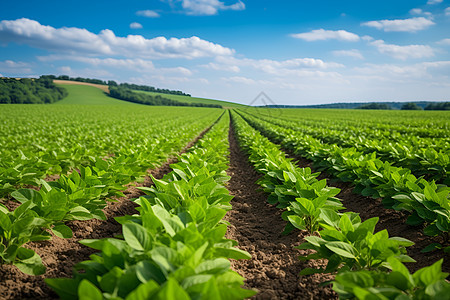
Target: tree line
x,y
110,83
126,94
30,91
408,106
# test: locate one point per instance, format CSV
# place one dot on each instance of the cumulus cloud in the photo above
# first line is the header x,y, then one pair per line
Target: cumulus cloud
x,y
322,34
148,13
403,52
240,79
222,67
209,7
135,64
275,66
298,67
77,40
447,11
418,12
135,25
9,66
419,71
408,25
355,53
434,1
444,42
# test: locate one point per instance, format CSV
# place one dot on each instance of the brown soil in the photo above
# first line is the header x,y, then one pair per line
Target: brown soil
x,y
60,255
257,226
103,87
392,220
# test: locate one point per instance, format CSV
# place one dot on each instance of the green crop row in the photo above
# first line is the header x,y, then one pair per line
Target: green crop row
x,y
175,247
78,196
427,202
390,124
353,250
427,157
38,141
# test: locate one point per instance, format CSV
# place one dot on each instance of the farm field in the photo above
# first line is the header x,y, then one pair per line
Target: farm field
x,y
125,201
81,94
187,99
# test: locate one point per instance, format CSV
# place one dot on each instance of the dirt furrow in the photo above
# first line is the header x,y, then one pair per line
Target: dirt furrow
x,y
258,227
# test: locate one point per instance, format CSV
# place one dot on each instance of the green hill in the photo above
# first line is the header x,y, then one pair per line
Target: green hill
x,y
84,94
187,99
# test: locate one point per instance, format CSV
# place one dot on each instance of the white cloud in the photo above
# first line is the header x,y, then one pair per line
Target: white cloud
x,y
221,67
447,11
367,38
444,42
135,64
418,12
240,79
418,71
209,7
66,69
434,1
408,25
135,25
148,13
350,53
297,67
9,66
403,52
321,35
76,41
280,68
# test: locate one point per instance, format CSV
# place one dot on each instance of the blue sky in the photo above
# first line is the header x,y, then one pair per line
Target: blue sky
x,y
297,52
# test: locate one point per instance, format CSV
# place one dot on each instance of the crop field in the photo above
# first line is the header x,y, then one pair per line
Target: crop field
x,y
182,98
105,199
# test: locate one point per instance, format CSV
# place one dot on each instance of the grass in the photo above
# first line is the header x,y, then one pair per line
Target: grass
x,y
187,99
81,93
84,94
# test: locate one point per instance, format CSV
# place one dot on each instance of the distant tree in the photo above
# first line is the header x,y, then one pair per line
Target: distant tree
x,y
64,77
112,83
29,91
411,106
374,106
438,106
127,94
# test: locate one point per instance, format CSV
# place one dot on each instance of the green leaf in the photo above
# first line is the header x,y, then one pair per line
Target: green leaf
x,y
298,222
29,262
310,271
146,270
145,290
431,247
430,274
5,222
233,253
136,236
330,217
342,249
23,195
439,290
109,281
171,290
62,231
345,224
88,291
218,265
66,288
